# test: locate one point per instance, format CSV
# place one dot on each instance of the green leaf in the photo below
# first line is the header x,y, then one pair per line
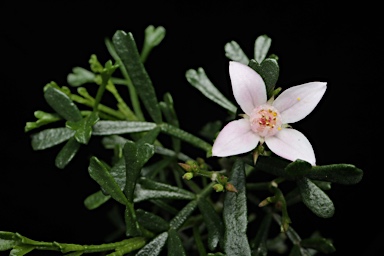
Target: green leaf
x,y
153,37
154,247
319,243
235,53
105,75
43,119
183,214
150,136
298,251
259,243
121,127
298,168
131,245
200,81
8,240
271,165
315,199
149,194
94,200
211,129
291,233
75,253
155,185
337,173
83,127
151,221
269,71
175,246
21,250
183,135
67,153
127,50
118,172
152,170
99,172
167,152
135,155
235,214
95,65
170,115
50,137
80,76
148,189
132,227
62,104
262,45
113,141
214,224
324,185
169,110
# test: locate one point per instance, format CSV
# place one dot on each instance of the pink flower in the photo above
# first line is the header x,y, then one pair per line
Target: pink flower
x,y
267,121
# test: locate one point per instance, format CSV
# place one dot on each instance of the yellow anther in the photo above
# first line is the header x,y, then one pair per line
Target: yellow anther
x,y
274,114
279,128
298,98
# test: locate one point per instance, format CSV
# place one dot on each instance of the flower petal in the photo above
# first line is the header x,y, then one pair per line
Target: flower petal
x,y
298,101
292,145
235,138
248,87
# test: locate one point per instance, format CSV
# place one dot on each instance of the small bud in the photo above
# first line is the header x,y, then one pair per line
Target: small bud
x,y
188,176
267,201
200,160
190,162
263,203
222,179
186,167
218,187
229,187
193,165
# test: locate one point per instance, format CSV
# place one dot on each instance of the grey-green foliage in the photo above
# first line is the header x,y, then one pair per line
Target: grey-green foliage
x,y
161,213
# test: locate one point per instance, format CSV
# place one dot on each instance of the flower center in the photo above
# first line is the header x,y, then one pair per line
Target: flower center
x,y
265,120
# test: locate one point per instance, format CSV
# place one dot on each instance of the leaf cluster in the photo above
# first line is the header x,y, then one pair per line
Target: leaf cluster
x,y
161,211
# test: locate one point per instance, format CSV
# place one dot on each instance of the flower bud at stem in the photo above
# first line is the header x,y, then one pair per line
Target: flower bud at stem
x,y
229,187
188,176
186,167
218,187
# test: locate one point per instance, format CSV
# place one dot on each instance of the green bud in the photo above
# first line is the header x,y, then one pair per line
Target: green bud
x,y
188,176
222,179
186,167
229,187
218,187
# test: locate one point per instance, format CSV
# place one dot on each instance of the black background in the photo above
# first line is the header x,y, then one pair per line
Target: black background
x,y
314,40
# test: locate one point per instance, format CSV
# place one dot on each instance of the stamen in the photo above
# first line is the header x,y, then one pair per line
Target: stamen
x,y
265,121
